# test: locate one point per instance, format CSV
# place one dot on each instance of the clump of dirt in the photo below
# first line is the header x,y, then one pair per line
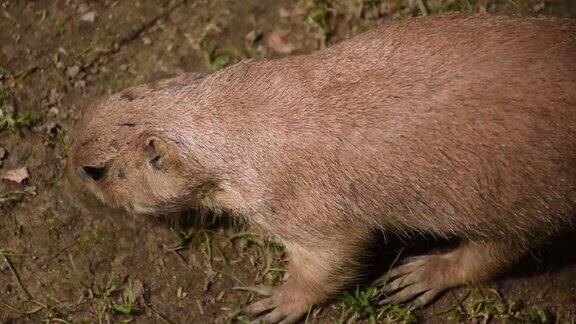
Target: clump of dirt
x,y
66,258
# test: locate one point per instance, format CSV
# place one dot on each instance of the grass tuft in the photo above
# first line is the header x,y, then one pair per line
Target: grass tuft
x,y
76,277
488,305
371,2
319,15
14,123
438,7
364,304
213,60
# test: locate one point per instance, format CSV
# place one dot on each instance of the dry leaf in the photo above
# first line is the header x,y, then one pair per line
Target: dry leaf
x,y
17,175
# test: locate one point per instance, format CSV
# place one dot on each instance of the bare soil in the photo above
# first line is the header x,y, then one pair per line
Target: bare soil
x,y
66,258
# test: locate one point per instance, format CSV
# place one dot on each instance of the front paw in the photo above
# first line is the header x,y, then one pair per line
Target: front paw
x,y
419,279
280,305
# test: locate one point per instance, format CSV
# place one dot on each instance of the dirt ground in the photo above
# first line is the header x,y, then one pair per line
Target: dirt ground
x,y
65,258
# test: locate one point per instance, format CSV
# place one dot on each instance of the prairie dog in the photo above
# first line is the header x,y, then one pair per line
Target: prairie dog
x,y
451,125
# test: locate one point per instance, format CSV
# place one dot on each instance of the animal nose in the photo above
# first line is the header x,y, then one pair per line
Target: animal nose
x,y
94,172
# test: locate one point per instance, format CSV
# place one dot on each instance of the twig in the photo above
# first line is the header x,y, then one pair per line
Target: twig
x,y
22,74
17,277
155,313
2,303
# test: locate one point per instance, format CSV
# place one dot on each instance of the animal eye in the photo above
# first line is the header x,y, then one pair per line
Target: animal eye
x,y
94,172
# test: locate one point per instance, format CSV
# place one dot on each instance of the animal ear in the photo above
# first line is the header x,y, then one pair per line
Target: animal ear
x,y
158,152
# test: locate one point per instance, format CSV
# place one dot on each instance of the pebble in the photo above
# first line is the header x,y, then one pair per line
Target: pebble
x,y
80,84
73,71
278,41
89,17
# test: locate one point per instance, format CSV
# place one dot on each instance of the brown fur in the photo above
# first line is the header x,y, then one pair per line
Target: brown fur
x,y
452,125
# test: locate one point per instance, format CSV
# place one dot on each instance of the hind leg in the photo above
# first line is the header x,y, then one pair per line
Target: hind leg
x,y
421,278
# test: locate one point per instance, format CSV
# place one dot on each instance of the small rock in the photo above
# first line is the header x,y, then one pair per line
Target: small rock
x,y
372,13
54,97
301,8
73,71
278,41
146,40
388,7
284,13
83,8
53,111
539,6
89,17
62,51
17,175
80,84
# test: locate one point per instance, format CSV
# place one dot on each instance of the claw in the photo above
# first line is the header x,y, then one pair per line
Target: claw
x,y
274,316
399,283
405,268
273,308
259,307
408,293
424,299
265,291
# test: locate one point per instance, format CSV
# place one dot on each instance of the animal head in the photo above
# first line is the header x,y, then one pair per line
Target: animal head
x,y
127,159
